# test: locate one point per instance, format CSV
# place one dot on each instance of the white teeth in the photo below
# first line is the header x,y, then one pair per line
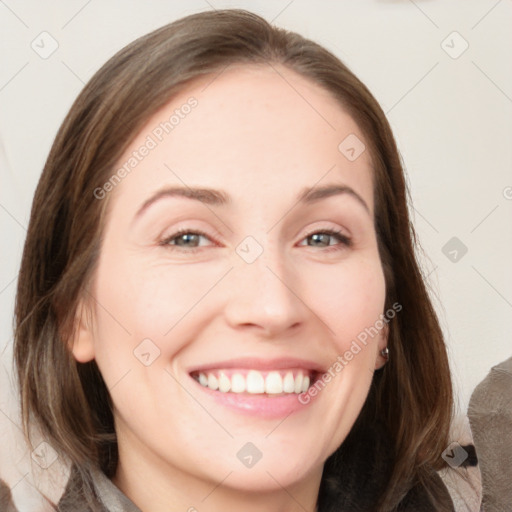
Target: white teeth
x,y
237,383
224,383
203,380
213,383
298,383
289,383
273,383
255,382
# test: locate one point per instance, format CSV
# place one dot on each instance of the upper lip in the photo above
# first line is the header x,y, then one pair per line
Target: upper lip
x,y
254,363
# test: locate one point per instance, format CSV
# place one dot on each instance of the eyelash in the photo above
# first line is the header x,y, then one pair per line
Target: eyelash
x,y
344,239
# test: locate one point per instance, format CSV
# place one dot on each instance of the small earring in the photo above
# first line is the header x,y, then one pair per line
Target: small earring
x,y
385,353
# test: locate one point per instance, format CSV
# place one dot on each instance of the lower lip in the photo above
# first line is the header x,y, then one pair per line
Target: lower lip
x,y
266,406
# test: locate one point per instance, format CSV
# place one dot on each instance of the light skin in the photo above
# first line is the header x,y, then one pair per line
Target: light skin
x,y
256,138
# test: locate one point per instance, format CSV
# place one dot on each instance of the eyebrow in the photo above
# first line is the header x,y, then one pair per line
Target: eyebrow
x,y
215,197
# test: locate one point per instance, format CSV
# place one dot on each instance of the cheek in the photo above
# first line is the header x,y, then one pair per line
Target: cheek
x,y
348,296
143,299
166,296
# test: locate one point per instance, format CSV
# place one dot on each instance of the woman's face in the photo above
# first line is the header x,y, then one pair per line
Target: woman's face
x,y
255,296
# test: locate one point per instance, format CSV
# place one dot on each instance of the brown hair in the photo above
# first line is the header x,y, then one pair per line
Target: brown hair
x,y
411,397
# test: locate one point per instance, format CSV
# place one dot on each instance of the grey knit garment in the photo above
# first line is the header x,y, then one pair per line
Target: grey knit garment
x,y
490,416
109,498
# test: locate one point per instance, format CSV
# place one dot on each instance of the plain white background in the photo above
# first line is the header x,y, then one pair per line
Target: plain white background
x,y
441,72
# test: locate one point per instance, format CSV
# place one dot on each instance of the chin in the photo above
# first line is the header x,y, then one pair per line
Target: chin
x,y
269,477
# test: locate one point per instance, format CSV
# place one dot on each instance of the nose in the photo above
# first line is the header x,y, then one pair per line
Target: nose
x,y
266,295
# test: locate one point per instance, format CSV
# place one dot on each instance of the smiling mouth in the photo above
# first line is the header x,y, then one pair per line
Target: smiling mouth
x,y
255,382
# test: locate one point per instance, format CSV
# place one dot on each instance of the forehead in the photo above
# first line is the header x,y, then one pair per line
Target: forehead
x,y
261,130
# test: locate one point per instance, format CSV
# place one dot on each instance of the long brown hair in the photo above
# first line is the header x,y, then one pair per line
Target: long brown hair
x,y
411,397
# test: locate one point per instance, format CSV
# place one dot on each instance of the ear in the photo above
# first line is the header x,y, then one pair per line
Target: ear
x,y
382,344
81,343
